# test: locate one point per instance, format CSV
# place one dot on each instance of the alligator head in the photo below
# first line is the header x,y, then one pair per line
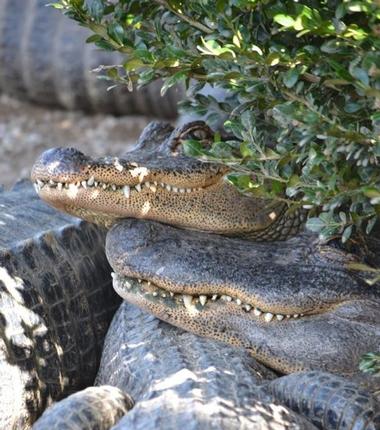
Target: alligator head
x,y
157,181
293,304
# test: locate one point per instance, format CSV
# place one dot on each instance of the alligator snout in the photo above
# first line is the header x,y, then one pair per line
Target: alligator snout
x,y
58,162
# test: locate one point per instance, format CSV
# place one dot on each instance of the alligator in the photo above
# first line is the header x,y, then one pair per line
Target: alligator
x,y
56,303
157,181
293,305
180,380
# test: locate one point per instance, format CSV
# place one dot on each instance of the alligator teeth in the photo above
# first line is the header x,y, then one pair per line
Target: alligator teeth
x,y
127,191
153,188
40,183
188,190
138,187
117,165
51,182
147,184
226,298
83,183
214,297
280,317
247,307
175,189
171,294
168,187
36,187
104,186
268,317
203,300
238,302
257,312
295,315
91,181
155,294
181,190
188,302
113,187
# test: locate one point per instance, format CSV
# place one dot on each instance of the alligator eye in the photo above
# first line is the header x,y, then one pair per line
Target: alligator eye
x,y
196,130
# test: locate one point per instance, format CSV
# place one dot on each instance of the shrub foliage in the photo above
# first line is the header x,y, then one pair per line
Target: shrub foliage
x,y
303,91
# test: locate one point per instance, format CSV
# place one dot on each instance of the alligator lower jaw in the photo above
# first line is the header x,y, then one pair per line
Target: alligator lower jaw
x,y
145,291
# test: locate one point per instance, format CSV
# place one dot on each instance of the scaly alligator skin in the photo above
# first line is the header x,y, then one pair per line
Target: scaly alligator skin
x,y
182,381
56,302
156,181
293,304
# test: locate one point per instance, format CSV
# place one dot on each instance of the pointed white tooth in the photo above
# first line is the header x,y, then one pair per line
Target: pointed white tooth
x,y
188,190
203,300
147,184
113,186
155,183
138,187
168,187
214,297
117,165
139,281
226,298
171,294
257,312
113,275
163,295
66,185
188,301
127,191
288,316
127,284
301,315
181,190
155,294
95,183
39,183
238,302
247,307
104,186
36,187
91,181
153,188
162,185
175,189
51,182
280,317
83,183
295,315
268,317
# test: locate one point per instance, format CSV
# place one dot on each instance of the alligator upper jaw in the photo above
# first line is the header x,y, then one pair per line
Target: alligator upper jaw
x,y
67,168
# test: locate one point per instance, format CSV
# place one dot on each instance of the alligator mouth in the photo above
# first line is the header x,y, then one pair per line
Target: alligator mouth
x,y
73,189
140,291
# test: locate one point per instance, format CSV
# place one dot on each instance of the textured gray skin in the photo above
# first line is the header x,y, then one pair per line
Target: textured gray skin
x,y
56,302
182,381
95,408
44,59
342,321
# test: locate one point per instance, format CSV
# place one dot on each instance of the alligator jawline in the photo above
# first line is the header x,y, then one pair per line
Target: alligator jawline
x,y
125,189
193,303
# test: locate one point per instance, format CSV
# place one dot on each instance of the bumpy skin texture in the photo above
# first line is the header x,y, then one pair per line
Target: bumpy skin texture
x,y
179,380
56,302
340,322
156,181
93,408
46,60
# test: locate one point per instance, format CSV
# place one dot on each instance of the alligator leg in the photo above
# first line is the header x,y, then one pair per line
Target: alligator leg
x,y
56,303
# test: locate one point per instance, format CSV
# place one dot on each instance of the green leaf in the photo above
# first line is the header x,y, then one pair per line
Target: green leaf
x,y
346,234
173,80
290,78
360,74
315,224
284,20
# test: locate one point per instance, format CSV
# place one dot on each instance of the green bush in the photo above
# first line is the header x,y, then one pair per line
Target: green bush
x,y
303,83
